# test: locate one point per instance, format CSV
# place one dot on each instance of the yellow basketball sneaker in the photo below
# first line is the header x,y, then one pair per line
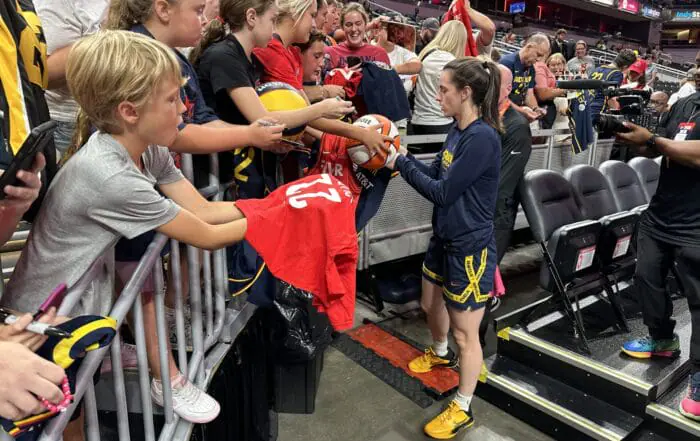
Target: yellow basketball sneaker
x,y
449,422
429,360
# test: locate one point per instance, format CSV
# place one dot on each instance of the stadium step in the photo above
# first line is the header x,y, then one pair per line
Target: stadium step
x,y
667,420
627,383
553,406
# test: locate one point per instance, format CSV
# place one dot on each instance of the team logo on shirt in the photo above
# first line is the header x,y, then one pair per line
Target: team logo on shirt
x,y
447,157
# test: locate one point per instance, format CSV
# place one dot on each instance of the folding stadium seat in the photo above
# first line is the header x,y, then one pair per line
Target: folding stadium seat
x,y
648,172
596,201
568,241
625,185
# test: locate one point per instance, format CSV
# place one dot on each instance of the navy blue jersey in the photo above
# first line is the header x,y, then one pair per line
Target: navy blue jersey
x,y
462,182
523,77
604,73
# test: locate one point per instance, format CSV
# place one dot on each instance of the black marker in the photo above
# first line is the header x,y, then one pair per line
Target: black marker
x,y
8,318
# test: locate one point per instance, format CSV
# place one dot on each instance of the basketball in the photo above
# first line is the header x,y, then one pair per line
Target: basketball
x,y
277,97
359,154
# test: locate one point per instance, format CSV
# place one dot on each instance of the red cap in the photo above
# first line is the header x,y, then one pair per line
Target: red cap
x,y
639,66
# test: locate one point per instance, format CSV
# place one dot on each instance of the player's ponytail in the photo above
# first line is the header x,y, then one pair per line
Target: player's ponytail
x,y
484,78
232,17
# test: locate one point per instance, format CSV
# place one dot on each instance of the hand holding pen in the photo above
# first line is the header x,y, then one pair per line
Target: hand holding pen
x,y
26,331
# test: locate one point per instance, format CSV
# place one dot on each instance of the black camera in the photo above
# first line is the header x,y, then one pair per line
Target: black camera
x,y
634,108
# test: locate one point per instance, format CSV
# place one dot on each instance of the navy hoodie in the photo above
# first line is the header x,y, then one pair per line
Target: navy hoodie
x,y
462,182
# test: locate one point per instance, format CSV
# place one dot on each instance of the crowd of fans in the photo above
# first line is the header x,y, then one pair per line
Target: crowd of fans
x,y
233,45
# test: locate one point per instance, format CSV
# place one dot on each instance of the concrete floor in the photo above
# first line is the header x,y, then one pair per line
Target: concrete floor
x,y
354,405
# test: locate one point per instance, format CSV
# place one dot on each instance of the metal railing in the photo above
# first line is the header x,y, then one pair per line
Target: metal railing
x,y
395,234
213,329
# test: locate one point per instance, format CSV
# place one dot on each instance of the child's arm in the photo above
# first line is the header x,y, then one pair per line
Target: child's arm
x,y
369,136
252,108
202,139
186,196
188,228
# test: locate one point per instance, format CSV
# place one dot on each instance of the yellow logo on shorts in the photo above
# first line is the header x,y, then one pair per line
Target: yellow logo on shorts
x,y
474,281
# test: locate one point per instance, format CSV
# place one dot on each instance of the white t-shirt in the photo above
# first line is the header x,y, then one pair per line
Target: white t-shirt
x,y
64,22
401,55
686,90
427,111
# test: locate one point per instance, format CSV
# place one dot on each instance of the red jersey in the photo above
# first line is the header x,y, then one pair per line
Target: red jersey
x,y
348,79
339,54
334,160
458,11
281,63
305,233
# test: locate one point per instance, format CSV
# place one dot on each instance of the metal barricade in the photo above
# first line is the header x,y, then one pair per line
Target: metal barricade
x,y
209,316
403,225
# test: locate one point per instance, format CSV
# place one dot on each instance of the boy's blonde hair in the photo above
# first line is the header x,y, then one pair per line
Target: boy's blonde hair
x,y
110,67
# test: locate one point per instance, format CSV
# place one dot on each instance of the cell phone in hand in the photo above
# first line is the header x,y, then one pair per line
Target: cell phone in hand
x,y
37,141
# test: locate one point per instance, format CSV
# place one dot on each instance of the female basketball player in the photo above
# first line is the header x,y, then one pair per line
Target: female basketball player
x,y
459,266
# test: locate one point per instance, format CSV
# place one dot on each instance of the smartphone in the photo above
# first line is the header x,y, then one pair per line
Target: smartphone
x,y
36,142
53,300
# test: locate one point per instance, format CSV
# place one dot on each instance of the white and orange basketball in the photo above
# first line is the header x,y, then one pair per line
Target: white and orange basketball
x,y
360,155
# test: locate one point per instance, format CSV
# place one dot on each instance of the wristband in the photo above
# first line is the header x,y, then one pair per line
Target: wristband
x,y
651,142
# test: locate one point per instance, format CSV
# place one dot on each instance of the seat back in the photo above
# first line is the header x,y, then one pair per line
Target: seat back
x,y
625,185
591,191
648,172
548,202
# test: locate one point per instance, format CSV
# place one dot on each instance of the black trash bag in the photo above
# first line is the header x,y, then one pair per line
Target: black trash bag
x,y
303,332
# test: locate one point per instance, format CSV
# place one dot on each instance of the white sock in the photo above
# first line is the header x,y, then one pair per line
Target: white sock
x,y
463,401
440,348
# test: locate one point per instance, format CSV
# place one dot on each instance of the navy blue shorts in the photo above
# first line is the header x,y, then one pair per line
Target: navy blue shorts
x,y
466,279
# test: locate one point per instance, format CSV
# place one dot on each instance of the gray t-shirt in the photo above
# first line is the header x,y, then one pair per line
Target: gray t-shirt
x,y
97,197
574,65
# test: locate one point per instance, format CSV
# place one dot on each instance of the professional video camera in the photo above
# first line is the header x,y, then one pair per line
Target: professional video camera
x,y
634,106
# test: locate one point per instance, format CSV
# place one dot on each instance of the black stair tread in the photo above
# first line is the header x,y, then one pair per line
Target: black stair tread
x,y
586,406
649,435
673,397
605,344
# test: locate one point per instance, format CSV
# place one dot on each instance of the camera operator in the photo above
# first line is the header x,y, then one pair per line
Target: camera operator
x,y
669,232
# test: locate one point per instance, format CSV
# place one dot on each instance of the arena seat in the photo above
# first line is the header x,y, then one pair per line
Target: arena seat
x,y
625,185
595,199
555,219
591,191
568,244
648,172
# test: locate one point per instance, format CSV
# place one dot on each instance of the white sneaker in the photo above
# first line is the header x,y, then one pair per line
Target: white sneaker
x,y
189,402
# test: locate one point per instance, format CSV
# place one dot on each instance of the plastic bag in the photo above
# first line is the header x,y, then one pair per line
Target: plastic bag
x,y
304,332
